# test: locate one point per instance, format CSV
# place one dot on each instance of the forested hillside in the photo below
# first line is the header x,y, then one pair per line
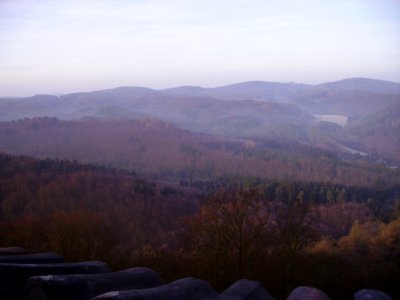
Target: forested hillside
x,y
377,133
158,149
291,230
256,110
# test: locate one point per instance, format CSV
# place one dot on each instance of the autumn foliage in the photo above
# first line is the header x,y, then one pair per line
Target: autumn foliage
x,y
282,233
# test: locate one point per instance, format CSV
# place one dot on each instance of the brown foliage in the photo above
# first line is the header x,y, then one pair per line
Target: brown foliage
x,y
155,148
77,235
229,233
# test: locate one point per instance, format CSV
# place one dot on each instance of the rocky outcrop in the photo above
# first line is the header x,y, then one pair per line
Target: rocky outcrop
x,y
14,276
371,295
39,258
307,293
246,290
13,251
87,286
187,288
44,276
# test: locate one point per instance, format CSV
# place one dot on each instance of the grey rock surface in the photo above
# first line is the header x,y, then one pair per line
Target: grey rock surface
x,y
13,277
13,251
183,289
38,258
307,293
371,295
87,286
245,290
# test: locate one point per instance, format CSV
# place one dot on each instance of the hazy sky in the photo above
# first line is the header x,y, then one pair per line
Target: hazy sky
x,y
59,46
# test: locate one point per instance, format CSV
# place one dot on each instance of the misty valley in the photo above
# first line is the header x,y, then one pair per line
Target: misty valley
x,y
287,184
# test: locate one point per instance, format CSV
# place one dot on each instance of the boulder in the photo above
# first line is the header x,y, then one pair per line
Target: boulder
x,y
183,289
13,277
87,286
39,258
307,293
13,251
245,290
371,295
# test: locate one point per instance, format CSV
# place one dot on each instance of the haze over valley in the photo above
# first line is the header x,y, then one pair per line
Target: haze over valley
x,y
207,149
335,116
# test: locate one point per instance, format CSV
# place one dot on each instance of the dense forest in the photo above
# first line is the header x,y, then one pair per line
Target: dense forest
x,y
283,233
160,150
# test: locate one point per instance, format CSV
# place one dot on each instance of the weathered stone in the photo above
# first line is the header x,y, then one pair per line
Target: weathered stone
x,y
39,258
371,295
183,289
87,286
13,251
307,293
246,290
13,277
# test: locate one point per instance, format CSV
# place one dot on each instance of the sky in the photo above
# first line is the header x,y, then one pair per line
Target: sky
x,y
56,46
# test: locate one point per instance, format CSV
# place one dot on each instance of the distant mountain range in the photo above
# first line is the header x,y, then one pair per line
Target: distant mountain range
x,y
254,109
354,96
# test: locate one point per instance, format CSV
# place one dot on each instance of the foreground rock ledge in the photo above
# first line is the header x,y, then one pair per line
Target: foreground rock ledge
x,y
183,289
246,290
307,293
371,295
87,286
14,277
13,251
80,281
39,258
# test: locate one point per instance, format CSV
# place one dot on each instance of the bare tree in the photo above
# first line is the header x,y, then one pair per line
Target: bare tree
x,y
231,229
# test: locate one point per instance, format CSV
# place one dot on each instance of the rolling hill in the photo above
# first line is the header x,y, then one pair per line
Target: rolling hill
x,y
255,109
155,148
351,97
377,133
364,85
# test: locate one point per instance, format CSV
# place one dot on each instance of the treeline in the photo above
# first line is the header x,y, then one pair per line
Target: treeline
x,y
380,200
157,149
290,242
276,232
136,209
